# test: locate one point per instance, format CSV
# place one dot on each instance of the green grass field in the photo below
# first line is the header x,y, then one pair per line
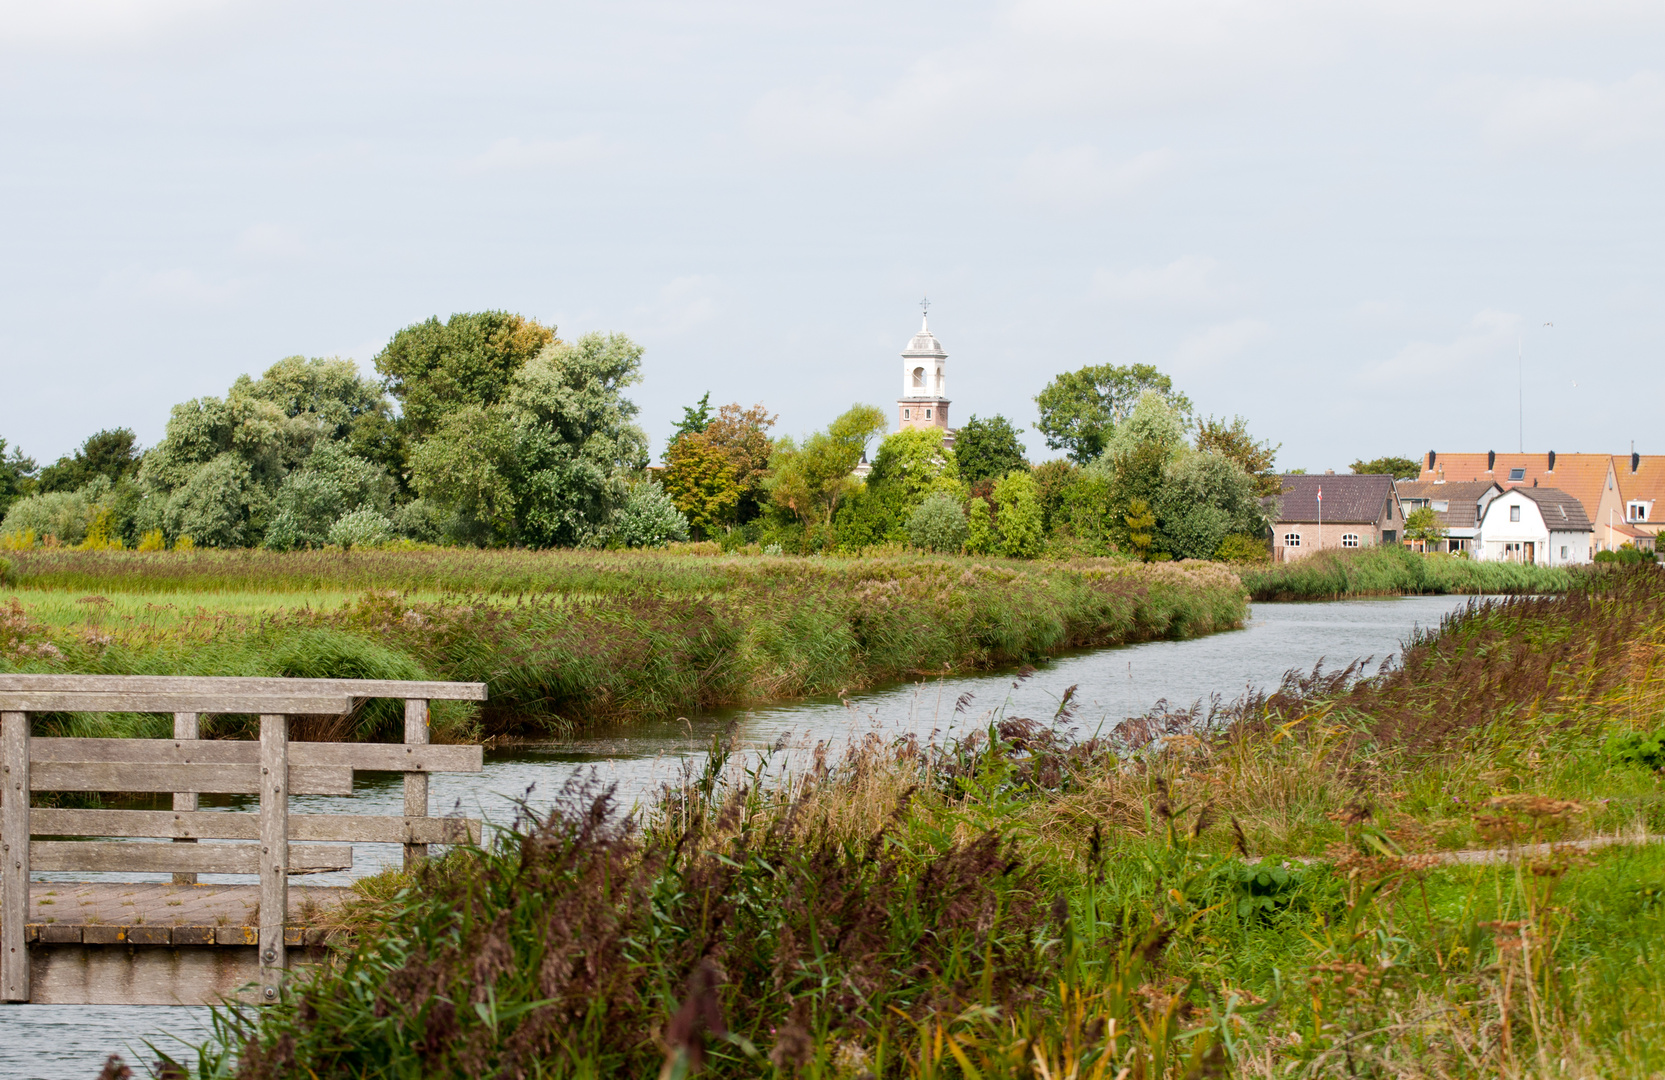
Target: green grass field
x,y
567,638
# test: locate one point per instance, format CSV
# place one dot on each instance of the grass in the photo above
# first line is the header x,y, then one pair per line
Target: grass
x,y
1395,571
564,639
1172,899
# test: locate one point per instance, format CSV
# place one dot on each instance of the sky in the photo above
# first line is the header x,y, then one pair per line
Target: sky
x,y
1368,228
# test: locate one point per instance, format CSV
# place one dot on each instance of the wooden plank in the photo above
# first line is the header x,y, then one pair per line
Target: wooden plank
x,y
115,857
274,851
416,783
208,779
225,701
14,855
227,825
211,684
185,729
124,975
368,757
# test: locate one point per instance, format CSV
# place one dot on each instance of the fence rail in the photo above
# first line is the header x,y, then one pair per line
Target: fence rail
x,y
271,767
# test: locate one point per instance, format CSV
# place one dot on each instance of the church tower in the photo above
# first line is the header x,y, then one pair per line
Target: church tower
x,y
924,400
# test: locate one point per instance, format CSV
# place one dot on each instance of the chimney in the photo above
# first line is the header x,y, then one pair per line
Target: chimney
x,y
1329,472
1430,461
1635,461
1491,459
1552,461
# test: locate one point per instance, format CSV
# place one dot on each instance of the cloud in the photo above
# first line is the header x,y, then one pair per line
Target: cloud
x,y
77,22
1488,334
515,154
1208,348
1079,176
1534,113
179,285
271,241
1187,281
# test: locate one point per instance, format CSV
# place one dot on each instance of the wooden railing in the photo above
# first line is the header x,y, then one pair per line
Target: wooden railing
x,y
276,843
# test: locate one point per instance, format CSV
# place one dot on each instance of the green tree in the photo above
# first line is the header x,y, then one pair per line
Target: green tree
x,y
980,537
1233,442
1397,467
1206,497
649,518
809,481
17,476
694,420
1018,515
1079,409
987,449
938,524
1141,529
434,368
716,474
1422,525
1053,482
112,454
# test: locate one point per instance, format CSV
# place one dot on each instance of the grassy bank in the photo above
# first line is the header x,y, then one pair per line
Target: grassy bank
x,y
567,638
1397,571
1031,904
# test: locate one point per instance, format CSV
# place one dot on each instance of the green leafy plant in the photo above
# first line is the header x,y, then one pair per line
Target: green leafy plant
x,y
1638,748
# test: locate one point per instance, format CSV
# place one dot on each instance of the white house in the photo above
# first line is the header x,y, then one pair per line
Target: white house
x,y
1537,525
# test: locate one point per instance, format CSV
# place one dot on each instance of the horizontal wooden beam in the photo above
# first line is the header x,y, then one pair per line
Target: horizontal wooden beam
x,y
208,779
222,825
224,701
369,757
122,975
215,684
111,856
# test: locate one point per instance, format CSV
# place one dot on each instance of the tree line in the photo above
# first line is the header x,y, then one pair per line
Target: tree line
x,y
488,429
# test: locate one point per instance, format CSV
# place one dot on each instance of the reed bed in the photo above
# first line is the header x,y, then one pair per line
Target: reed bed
x,y
1398,571
1027,902
588,637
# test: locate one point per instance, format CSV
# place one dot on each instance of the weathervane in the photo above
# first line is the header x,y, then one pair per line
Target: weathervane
x,y
925,306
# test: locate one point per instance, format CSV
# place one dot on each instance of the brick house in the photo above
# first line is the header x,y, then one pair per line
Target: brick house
x,y
1334,512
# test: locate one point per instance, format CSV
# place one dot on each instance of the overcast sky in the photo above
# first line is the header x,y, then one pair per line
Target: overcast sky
x,y
1339,220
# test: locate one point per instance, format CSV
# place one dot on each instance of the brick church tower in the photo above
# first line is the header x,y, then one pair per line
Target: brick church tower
x,y
924,400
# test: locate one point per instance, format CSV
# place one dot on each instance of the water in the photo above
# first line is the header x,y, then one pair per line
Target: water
x,y
48,1042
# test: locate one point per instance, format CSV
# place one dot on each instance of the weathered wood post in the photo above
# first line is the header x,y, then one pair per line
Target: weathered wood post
x,y
184,728
274,852
14,847
416,783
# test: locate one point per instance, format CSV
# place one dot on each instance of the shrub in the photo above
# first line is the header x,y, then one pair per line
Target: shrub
x,y
649,518
361,528
5,572
1243,548
938,524
1638,748
63,514
980,538
1020,515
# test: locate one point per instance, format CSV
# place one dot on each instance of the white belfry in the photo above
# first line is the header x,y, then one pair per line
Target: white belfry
x,y
924,400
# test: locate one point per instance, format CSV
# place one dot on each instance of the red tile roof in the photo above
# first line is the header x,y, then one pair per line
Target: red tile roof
x,y
1579,475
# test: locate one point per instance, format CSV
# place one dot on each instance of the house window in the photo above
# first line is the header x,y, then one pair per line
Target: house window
x,y
1514,513
1517,474
1563,553
927,414
1636,511
1349,539
907,414
1291,539
1441,505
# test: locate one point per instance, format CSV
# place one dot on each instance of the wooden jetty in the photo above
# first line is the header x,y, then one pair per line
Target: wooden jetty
x,y
181,942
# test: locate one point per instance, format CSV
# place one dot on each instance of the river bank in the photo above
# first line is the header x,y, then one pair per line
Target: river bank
x,y
977,907
567,640
1398,571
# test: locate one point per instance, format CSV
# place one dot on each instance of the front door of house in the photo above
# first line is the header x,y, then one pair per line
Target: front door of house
x,y
1531,553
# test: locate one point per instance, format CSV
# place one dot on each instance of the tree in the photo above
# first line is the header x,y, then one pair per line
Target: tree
x,y
17,476
113,454
1422,526
1018,515
649,518
694,420
987,449
1233,442
1397,467
938,524
910,465
435,368
1079,409
809,481
980,537
1206,497
715,474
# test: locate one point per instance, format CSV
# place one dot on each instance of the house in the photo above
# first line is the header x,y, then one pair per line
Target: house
x,y
1632,507
1457,505
1540,525
1331,512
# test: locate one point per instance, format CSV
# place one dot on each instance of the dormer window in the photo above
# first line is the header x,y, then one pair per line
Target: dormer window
x,y
1517,474
1636,511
